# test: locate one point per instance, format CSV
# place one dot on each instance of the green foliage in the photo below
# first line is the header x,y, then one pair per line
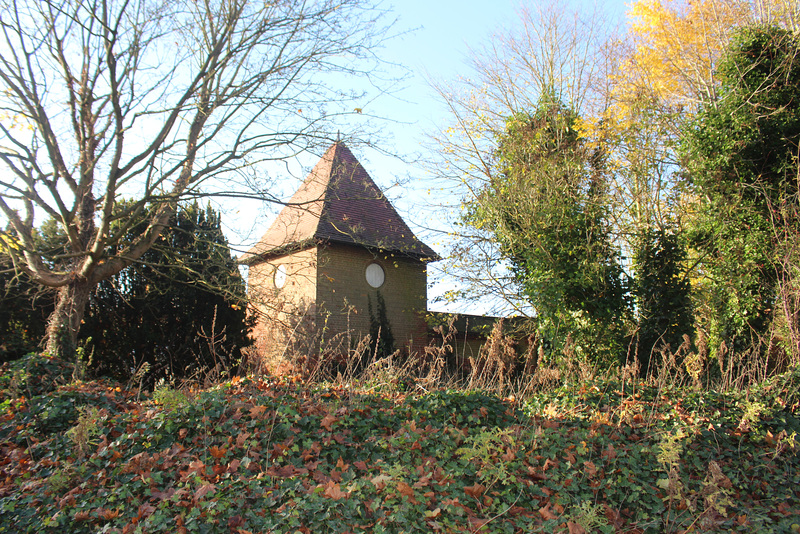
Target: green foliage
x,y
24,307
264,455
168,397
83,434
741,154
662,294
546,207
33,375
180,308
380,330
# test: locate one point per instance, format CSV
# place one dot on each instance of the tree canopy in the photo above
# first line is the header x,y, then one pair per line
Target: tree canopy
x,y
546,207
741,154
692,111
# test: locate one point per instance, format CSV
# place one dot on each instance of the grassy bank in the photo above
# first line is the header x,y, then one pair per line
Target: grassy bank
x,y
276,455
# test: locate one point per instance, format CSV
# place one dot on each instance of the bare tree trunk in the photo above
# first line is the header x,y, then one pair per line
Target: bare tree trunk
x,y
61,336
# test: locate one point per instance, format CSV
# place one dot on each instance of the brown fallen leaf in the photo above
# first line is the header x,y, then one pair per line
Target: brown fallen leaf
x,y
590,468
477,523
546,514
204,490
81,516
379,481
257,411
217,452
475,491
106,514
334,491
327,422
575,528
241,439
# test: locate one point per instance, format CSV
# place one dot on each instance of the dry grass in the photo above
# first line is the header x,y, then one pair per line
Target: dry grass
x,y
502,367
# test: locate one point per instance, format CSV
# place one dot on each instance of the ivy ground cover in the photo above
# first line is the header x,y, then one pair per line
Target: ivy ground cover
x,y
269,455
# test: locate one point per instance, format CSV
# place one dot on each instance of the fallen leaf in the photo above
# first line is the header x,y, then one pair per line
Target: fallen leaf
x,y
106,514
475,491
575,528
257,411
405,490
380,481
327,422
234,465
81,516
334,491
477,523
217,452
241,438
590,468
546,514
433,514
204,490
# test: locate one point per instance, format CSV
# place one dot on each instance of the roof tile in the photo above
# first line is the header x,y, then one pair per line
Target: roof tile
x,y
338,202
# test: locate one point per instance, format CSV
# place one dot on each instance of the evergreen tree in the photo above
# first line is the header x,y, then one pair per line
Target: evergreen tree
x,y
24,308
662,294
380,330
180,308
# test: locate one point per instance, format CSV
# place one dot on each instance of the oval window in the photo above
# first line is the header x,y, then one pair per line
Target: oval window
x,y
375,275
280,276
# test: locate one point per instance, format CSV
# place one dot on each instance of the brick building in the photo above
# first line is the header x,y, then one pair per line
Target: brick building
x,y
336,253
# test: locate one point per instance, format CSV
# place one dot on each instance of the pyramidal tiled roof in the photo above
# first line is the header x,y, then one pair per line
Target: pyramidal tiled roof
x,y
338,202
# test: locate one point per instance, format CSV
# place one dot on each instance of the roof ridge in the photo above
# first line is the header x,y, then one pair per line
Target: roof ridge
x,y
339,202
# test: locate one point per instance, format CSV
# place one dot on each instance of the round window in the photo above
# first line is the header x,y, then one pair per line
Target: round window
x,y
375,275
280,276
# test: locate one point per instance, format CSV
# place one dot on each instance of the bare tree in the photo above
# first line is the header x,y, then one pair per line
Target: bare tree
x,y
151,99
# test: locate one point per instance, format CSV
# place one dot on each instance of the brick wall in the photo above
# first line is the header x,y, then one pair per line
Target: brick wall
x,y
344,294
284,314
327,287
